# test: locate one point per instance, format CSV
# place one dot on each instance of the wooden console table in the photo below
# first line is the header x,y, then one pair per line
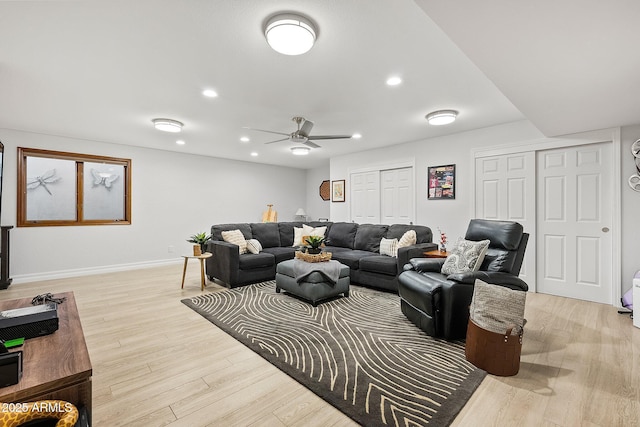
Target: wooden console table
x,y
55,366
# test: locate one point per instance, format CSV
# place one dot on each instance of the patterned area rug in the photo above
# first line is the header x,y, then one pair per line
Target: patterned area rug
x,y
358,353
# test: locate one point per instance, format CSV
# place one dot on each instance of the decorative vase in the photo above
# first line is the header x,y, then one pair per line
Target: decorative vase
x,y
196,250
443,248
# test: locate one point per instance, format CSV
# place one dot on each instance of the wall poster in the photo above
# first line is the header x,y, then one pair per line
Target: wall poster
x,y
441,182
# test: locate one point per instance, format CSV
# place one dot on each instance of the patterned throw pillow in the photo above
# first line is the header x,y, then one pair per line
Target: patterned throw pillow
x,y
389,247
254,246
237,238
466,256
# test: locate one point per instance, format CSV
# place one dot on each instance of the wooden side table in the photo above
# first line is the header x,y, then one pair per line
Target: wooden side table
x,y
201,258
436,254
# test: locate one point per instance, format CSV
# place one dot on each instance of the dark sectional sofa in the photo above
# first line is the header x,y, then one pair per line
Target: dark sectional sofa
x,y
355,245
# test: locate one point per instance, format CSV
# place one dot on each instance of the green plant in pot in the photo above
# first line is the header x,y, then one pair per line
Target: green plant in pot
x,y
313,244
200,239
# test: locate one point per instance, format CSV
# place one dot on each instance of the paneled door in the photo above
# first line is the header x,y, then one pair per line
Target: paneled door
x,y
396,193
365,197
575,200
505,190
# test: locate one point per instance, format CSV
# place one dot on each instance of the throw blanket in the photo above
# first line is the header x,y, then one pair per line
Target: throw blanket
x,y
329,269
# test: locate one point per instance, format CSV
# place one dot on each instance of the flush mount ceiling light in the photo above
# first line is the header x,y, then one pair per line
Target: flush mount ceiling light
x,y
167,125
290,34
394,81
441,117
300,151
356,136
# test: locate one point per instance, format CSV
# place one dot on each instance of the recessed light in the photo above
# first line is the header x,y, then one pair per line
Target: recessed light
x,y
441,117
254,154
167,125
394,81
300,151
180,142
356,136
210,93
244,139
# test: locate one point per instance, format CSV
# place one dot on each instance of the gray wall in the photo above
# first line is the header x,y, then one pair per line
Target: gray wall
x,y
630,209
174,195
316,207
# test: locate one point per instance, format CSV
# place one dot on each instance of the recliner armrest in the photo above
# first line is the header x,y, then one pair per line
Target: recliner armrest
x,y
493,277
414,251
425,264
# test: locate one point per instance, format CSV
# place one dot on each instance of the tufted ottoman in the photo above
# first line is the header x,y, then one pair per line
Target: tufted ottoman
x,y
313,287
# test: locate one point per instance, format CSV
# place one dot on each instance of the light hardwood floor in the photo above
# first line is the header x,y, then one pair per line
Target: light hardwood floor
x,y
156,362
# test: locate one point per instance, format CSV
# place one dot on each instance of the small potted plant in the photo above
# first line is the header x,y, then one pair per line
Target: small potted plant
x,y
313,244
200,242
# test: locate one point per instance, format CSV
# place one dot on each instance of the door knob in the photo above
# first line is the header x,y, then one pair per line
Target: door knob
x,y
605,229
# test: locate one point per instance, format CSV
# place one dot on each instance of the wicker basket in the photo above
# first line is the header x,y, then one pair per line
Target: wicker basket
x,y
321,257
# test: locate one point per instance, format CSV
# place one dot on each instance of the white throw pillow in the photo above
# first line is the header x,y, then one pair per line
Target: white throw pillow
x,y
298,232
389,247
237,238
306,230
408,239
466,256
311,231
254,246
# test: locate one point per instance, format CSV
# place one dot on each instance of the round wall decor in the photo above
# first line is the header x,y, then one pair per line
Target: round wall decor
x,y
325,190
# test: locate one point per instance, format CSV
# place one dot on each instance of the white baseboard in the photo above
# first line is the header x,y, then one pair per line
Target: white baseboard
x,y
62,274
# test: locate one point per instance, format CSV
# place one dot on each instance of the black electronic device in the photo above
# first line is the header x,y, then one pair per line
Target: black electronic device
x,y
10,368
29,322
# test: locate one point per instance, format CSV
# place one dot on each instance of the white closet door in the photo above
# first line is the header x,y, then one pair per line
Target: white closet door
x,y
575,200
365,197
397,196
505,190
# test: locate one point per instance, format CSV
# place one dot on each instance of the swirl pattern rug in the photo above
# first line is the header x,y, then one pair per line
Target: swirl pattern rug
x,y
359,353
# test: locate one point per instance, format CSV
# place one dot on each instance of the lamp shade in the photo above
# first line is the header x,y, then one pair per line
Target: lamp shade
x,y
290,34
441,117
301,212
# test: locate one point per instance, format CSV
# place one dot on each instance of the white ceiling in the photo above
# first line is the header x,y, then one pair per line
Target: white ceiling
x,y
101,70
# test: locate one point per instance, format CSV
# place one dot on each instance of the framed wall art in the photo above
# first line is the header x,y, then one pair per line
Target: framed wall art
x,y
337,191
58,188
441,182
325,190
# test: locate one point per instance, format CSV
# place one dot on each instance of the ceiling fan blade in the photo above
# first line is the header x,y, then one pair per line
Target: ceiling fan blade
x,y
314,137
311,144
267,131
306,128
277,140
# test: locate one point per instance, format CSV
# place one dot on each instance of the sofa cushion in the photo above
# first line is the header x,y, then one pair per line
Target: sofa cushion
x,y
216,230
379,264
350,258
252,261
286,232
267,234
235,237
368,237
408,239
281,254
342,234
465,256
423,233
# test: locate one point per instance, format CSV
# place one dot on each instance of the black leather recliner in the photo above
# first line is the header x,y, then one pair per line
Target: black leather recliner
x,y
439,304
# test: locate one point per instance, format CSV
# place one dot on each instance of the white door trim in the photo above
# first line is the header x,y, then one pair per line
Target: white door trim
x,y
605,135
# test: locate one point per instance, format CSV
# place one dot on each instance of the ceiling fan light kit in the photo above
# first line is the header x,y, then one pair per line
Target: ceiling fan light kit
x,y
441,117
167,125
290,34
300,151
302,135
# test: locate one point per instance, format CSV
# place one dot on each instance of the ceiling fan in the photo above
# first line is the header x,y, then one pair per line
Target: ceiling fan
x,y
301,136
